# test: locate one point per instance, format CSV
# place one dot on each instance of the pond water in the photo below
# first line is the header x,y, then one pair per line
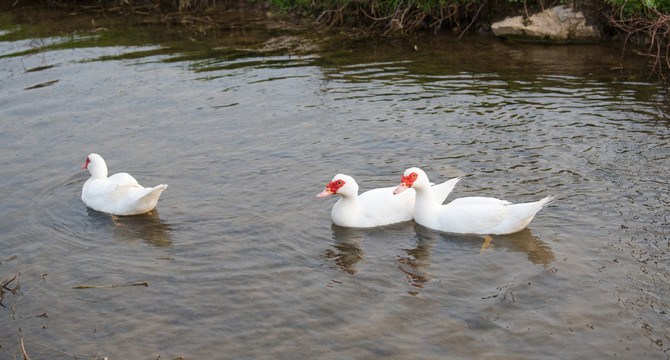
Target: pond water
x,y
247,123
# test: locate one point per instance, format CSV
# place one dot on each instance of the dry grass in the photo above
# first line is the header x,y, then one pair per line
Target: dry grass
x,y
656,28
404,17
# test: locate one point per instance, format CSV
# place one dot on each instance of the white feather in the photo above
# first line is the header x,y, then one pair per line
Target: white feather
x,y
469,215
376,207
119,194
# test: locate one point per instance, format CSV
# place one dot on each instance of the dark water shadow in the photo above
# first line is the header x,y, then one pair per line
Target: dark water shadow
x,y
147,227
347,250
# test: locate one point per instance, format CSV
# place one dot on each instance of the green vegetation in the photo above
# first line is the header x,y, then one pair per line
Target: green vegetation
x,y
639,8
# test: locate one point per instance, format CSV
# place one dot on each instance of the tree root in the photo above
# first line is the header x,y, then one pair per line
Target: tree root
x,y
657,28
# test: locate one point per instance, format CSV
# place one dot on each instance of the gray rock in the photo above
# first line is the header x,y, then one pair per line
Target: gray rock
x,y
559,24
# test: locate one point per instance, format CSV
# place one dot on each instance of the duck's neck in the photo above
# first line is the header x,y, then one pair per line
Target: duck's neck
x,y
99,176
99,171
425,202
345,210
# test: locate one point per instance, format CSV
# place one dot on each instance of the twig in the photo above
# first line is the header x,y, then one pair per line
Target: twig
x,y
474,18
7,282
658,30
374,18
10,258
25,356
437,24
54,349
145,284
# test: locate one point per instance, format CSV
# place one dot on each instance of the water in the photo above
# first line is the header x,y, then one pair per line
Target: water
x,y
241,258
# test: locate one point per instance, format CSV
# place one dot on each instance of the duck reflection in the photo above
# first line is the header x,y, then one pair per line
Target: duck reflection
x,y
537,251
417,259
147,227
347,250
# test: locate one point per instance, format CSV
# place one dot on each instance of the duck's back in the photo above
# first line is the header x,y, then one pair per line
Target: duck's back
x,y
380,207
120,194
122,179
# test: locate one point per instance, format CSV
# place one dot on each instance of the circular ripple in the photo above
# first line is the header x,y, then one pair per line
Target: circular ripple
x,y
61,222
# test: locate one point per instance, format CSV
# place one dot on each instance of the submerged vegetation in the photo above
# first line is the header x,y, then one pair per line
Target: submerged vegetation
x,y
642,22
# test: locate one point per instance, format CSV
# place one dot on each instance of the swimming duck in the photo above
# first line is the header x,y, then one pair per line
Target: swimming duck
x,y
375,207
119,194
468,215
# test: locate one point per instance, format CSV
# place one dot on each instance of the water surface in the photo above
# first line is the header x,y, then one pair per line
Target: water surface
x,y
241,258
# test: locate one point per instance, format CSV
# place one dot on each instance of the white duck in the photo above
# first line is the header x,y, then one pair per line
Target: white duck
x,y
469,215
119,194
375,207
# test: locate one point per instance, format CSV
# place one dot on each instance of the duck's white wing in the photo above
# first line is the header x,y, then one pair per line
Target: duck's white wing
x,y
483,215
380,207
441,191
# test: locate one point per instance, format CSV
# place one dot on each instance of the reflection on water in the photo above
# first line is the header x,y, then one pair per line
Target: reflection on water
x,y
148,227
416,261
523,241
347,252
538,251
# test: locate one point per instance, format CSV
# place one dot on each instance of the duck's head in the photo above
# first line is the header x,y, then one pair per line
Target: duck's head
x,y
412,177
343,185
95,165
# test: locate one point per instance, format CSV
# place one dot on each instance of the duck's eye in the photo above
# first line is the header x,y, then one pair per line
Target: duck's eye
x,y
413,175
339,182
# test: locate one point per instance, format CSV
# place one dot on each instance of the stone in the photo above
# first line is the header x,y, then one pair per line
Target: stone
x,y
559,24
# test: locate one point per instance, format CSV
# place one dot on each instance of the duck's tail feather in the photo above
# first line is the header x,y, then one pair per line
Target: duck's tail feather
x,y
149,199
522,215
546,201
154,192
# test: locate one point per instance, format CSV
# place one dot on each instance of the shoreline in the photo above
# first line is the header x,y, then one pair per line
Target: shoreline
x,y
359,23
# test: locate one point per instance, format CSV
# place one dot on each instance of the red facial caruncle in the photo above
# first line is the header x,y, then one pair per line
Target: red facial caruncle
x,y
332,188
409,179
85,166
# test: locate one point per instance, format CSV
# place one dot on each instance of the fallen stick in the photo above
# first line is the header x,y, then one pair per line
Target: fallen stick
x,y
145,284
25,356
